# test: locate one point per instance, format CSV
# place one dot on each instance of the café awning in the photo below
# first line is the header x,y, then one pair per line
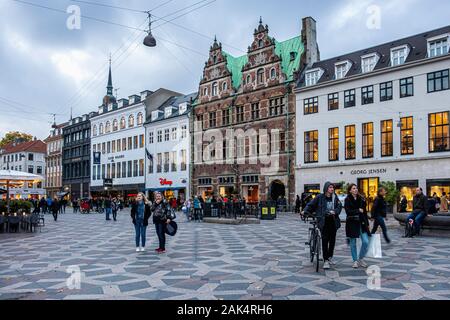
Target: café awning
x,y
11,175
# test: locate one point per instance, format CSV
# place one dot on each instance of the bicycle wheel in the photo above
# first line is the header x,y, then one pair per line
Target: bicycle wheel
x,y
318,250
312,245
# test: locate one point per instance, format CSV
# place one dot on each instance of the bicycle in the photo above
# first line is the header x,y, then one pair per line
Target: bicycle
x,y
314,243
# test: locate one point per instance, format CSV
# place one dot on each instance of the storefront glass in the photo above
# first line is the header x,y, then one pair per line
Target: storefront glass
x,y
205,192
226,191
368,187
251,193
408,189
438,187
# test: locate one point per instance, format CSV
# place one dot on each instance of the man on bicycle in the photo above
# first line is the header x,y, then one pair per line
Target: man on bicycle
x,y
327,208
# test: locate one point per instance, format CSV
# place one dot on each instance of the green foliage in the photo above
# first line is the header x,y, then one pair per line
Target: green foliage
x,y
392,194
15,135
16,205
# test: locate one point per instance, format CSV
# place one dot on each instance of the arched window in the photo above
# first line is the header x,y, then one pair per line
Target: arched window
x,y
94,130
224,86
249,79
260,43
215,59
123,123
131,121
101,129
108,127
215,89
115,125
205,92
140,119
260,76
273,73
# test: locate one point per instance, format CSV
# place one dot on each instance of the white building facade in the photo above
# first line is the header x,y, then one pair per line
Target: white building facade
x,y
168,149
118,147
377,115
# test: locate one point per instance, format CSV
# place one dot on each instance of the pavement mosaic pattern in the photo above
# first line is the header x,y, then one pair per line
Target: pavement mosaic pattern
x,y
205,261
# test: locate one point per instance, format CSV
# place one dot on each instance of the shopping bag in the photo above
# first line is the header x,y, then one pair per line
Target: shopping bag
x,y
374,250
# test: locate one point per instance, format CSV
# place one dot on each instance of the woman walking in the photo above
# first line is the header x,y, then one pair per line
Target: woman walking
x,y
140,213
357,225
379,213
114,208
54,207
160,210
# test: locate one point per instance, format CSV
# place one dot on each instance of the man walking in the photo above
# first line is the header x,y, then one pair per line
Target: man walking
x,y
419,210
108,208
327,208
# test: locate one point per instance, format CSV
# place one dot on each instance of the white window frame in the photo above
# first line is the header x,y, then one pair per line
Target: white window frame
x,y
440,38
313,76
404,48
341,74
369,67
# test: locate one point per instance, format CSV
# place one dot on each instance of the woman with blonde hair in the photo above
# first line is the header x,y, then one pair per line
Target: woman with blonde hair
x,y
161,217
140,213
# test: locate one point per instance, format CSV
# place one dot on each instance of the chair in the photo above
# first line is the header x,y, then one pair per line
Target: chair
x,y
34,222
14,223
41,220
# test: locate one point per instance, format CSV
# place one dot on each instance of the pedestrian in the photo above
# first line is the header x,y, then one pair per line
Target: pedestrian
x,y
357,225
54,207
64,204
114,208
298,204
444,202
140,214
379,213
197,208
160,210
419,210
327,208
108,210
403,204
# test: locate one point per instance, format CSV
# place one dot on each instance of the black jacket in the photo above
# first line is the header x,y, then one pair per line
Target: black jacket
x,y
379,208
356,221
55,206
319,206
147,213
419,203
160,212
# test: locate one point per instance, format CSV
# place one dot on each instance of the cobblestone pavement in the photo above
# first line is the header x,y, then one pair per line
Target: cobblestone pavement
x,y
204,261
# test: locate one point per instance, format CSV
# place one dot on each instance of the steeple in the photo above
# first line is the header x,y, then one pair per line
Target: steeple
x,y
109,98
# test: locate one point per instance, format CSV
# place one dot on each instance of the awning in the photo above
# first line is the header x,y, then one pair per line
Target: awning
x,y
12,175
62,194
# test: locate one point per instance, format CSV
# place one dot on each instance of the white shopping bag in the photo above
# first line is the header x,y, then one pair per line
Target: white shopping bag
x,y
374,250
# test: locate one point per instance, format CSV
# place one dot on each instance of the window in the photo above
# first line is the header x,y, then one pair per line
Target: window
x,y
212,119
341,70
130,143
333,101
108,127
260,76
119,173
94,130
113,146
174,134
368,63
135,168
215,91
226,117
260,43
387,148
119,145
166,135
214,59
438,47
312,146
124,144
205,92
224,86
108,147
140,119
141,141
113,171
406,87
367,136
367,95
349,98
173,161
124,169
255,111
183,160
240,114
151,138
311,105
103,148
439,132
159,163
159,135
30,169
115,125
273,74
350,142
249,79
150,166
386,91
407,136
122,123
438,81
312,77
39,170
131,121
135,142
30,157
398,56
166,161
333,144
183,131
141,168
276,106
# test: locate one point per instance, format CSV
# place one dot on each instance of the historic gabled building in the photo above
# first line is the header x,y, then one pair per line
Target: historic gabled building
x,y
53,161
244,117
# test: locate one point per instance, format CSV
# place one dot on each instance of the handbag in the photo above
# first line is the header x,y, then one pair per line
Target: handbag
x,y
171,228
374,250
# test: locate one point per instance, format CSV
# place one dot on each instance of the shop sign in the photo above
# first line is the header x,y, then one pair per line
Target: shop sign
x,y
165,182
368,171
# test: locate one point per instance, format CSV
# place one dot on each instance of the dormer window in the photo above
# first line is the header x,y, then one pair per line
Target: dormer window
x,y
293,55
438,46
182,108
155,115
215,89
369,62
312,77
399,55
341,69
168,112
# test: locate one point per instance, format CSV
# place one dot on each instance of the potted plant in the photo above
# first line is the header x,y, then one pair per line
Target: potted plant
x,y
392,194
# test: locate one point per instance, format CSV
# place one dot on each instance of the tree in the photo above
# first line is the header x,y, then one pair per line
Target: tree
x,y
392,193
13,136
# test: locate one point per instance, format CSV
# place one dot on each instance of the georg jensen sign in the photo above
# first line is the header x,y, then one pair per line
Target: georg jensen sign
x,y
368,171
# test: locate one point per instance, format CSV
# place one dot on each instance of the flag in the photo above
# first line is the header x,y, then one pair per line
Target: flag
x,y
149,155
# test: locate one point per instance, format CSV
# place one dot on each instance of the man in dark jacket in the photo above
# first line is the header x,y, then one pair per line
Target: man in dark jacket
x,y
379,212
327,209
419,209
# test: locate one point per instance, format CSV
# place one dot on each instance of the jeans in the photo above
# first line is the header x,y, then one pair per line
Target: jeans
x,y
379,222
114,213
197,214
141,233
418,217
328,239
55,215
364,246
161,232
108,213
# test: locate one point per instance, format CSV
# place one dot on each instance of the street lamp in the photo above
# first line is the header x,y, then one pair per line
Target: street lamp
x,y
149,40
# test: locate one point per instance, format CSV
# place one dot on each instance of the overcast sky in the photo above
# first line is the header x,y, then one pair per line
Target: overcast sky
x,y
47,68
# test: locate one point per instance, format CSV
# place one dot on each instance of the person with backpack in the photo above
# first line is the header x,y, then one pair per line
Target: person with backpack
x,y
140,214
379,213
357,225
327,209
161,217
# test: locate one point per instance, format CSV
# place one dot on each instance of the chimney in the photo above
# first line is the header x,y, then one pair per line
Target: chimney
x,y
309,39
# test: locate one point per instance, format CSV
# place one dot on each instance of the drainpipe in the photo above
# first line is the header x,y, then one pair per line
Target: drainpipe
x,y
287,144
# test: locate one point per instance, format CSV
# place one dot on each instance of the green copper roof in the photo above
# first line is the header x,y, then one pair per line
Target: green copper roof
x,y
282,49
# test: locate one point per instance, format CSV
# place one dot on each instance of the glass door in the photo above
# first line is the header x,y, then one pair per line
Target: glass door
x,y
368,187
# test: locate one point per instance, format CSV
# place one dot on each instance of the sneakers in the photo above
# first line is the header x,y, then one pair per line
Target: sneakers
x,y
143,249
355,265
161,251
362,263
332,262
138,249
326,265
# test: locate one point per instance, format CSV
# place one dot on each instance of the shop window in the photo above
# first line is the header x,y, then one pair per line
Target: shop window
x,y
367,137
350,142
439,132
407,136
387,144
333,144
312,146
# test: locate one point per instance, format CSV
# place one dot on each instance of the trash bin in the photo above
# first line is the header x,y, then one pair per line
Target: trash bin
x,y
267,211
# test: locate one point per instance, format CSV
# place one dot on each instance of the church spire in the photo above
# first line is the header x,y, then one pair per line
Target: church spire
x,y
110,85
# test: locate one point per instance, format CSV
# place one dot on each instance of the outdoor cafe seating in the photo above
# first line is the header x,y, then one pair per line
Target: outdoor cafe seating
x,y
20,222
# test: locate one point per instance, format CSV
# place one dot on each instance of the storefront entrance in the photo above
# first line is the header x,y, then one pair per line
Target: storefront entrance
x,y
251,193
368,187
277,190
205,192
438,186
226,191
408,189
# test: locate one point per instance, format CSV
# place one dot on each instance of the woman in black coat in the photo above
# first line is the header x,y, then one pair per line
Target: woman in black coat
x,y
55,208
378,214
140,214
357,225
161,213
